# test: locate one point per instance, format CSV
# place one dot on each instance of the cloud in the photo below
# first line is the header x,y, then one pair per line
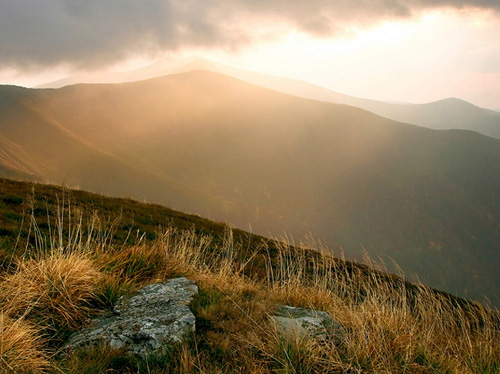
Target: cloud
x,y
87,32
92,33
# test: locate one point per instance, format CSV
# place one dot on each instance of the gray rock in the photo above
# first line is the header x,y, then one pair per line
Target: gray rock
x,y
309,322
154,318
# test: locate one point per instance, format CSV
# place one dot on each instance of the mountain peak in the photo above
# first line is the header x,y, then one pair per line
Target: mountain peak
x,y
455,100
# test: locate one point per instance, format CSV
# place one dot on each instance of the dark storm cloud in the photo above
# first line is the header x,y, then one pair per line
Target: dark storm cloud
x,y
90,33
85,32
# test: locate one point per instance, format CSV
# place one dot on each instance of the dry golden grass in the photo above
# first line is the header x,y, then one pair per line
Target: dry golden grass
x,y
21,349
389,327
55,289
385,330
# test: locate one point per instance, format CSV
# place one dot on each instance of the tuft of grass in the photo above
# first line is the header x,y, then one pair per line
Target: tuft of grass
x,y
21,348
54,290
95,360
139,263
182,358
110,289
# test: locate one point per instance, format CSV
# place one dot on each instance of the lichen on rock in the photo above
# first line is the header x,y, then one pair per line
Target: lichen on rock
x,y
309,322
146,322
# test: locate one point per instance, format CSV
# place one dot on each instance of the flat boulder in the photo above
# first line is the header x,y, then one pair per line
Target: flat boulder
x,y
308,322
154,318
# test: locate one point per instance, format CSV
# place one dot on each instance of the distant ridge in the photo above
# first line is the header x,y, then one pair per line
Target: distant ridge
x,y
451,113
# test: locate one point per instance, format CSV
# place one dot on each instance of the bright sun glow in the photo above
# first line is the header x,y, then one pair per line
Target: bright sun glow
x,y
417,60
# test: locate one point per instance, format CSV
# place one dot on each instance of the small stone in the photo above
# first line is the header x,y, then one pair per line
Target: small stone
x,y
312,323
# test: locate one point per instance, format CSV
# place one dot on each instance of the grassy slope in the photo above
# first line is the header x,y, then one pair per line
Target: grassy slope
x,y
391,325
128,220
16,207
38,146
427,199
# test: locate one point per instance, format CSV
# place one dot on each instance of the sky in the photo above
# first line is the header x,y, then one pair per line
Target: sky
x,y
396,50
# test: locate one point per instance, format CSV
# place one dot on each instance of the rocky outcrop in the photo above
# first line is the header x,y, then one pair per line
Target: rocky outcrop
x,y
149,321
312,323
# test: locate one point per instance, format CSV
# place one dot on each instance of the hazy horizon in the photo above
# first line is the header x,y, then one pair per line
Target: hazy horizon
x,y
403,51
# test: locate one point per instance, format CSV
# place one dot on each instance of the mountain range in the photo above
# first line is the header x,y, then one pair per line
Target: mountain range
x,y
449,113
206,143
